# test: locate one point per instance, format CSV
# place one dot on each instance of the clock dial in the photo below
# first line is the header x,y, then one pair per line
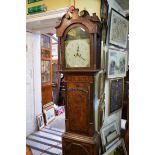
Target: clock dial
x,y
77,53
77,48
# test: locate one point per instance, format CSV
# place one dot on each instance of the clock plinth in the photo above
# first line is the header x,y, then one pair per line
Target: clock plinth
x,y
79,55
75,144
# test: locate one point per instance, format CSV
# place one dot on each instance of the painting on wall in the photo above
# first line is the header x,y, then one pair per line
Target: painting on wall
x,y
116,91
119,27
116,63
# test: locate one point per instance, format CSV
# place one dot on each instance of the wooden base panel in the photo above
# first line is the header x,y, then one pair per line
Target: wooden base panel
x,y
75,144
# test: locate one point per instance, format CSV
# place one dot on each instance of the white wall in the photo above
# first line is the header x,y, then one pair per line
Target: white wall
x,y
33,81
37,73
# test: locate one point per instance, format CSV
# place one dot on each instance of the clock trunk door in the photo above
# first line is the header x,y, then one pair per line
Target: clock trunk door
x,y
78,107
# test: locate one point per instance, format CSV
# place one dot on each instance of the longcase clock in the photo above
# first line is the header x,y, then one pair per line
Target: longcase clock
x,y
79,60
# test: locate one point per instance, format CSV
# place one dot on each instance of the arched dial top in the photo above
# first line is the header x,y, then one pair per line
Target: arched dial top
x,y
77,48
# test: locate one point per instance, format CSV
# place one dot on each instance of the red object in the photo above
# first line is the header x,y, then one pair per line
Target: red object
x,y
71,9
59,110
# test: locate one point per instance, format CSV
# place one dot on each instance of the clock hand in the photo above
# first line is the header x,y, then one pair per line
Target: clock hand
x,y
77,54
78,48
82,57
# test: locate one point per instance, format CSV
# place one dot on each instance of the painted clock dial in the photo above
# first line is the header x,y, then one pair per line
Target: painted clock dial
x,y
77,48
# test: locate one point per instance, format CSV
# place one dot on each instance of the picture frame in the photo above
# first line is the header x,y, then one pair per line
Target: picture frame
x,y
101,84
112,131
103,58
107,147
40,121
123,4
118,31
116,63
116,93
117,148
49,114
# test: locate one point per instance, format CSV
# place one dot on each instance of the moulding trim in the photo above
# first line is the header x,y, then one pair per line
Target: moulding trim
x,y
46,15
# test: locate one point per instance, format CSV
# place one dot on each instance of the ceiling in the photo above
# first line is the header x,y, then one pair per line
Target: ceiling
x,y
42,26
44,22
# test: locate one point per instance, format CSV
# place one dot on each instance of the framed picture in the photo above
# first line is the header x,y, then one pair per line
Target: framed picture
x,y
109,133
123,4
116,63
103,60
101,84
40,121
116,92
119,27
49,115
117,149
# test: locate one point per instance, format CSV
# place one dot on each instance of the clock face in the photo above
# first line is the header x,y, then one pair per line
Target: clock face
x,y
77,48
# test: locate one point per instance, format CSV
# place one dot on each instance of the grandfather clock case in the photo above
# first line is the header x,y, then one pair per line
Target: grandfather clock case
x,y
79,58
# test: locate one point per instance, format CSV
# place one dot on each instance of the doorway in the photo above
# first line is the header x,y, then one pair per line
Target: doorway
x,y
46,139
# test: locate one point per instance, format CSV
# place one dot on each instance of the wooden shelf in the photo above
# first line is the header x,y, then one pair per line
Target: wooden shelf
x,y
46,72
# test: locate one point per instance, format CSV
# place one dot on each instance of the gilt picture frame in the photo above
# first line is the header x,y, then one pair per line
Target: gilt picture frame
x,y
101,84
116,63
116,93
119,29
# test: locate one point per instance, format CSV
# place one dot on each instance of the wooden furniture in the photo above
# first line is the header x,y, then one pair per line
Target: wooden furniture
x,y
46,69
79,60
28,150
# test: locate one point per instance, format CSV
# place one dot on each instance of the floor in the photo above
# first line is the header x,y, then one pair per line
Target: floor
x,y
48,140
